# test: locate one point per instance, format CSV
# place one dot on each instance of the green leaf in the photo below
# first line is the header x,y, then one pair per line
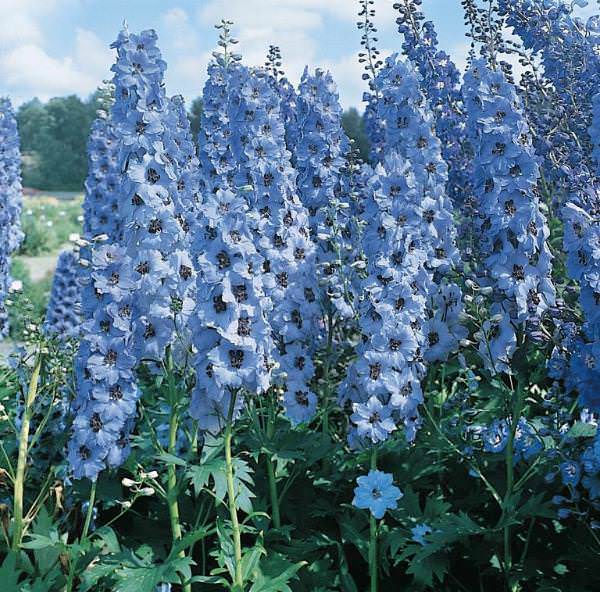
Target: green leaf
x,y
108,536
171,459
39,541
424,570
9,574
582,430
250,561
275,573
352,534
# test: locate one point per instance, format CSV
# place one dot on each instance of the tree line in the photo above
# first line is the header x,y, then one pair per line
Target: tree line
x,y
54,135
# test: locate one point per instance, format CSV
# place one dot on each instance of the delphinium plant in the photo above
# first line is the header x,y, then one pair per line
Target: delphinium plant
x,y
566,131
513,286
383,384
253,250
137,298
10,201
285,367
321,153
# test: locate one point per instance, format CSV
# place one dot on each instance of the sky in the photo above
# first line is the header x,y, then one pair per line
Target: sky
x,y
58,47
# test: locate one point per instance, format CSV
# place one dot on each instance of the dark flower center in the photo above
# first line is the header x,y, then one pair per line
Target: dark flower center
x,y
236,358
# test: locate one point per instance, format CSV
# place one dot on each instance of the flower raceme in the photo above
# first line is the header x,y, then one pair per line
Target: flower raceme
x,y
137,297
440,82
102,200
62,314
249,156
510,228
383,384
11,199
319,150
568,49
408,128
231,333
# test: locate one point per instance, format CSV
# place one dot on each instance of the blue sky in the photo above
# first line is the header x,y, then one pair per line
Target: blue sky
x,y
57,47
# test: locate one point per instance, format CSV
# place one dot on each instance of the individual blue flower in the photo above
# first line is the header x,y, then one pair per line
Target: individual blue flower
x,y
373,420
377,493
495,436
419,532
570,472
527,443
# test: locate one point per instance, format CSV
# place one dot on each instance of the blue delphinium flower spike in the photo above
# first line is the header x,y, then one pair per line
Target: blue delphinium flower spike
x,y
511,230
11,199
63,318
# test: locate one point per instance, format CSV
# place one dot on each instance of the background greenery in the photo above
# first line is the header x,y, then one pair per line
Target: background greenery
x,y
54,137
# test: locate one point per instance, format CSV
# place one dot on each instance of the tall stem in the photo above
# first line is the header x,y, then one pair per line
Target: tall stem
x,y
23,450
172,488
271,474
510,481
90,512
326,372
172,478
373,536
235,524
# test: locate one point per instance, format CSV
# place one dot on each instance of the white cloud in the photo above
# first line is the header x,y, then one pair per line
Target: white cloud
x,y
28,69
92,55
18,28
21,20
299,28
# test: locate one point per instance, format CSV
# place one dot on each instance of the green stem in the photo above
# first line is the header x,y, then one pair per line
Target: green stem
x,y
373,536
235,524
172,479
510,479
276,515
90,512
172,488
326,371
23,450
457,451
273,491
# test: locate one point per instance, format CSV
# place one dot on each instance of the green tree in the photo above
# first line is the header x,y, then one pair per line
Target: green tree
x,y
354,126
53,141
195,116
